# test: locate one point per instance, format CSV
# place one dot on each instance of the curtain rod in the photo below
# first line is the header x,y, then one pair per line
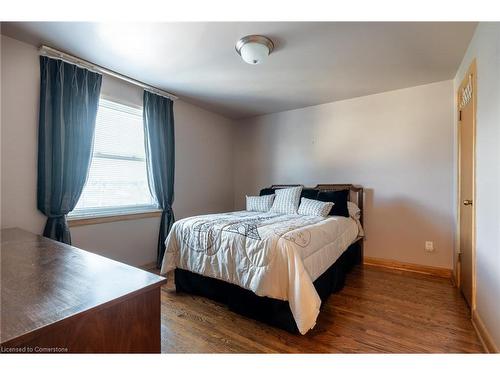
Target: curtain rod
x,y
54,53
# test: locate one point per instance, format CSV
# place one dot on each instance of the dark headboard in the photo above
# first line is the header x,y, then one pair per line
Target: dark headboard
x,y
355,192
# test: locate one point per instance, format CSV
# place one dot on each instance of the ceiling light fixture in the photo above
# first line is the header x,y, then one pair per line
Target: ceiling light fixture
x,y
254,49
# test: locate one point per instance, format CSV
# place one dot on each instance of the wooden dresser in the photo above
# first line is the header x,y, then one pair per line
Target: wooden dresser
x,y
58,298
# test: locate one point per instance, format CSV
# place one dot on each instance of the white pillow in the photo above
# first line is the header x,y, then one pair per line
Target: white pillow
x,y
262,203
312,207
354,210
355,213
287,200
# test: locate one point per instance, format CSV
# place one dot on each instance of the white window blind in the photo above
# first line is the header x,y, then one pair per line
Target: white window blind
x,y
117,181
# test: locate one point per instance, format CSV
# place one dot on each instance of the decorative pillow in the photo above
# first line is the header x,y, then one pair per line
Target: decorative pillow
x,y
267,191
287,200
309,193
339,198
306,193
263,203
313,207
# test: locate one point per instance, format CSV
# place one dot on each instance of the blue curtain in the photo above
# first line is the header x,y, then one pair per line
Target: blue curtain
x,y
69,97
158,120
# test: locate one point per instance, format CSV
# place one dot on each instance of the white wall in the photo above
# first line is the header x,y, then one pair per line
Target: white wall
x,y
19,107
398,145
485,47
203,178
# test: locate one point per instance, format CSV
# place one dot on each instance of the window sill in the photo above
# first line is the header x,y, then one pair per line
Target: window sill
x,y
78,221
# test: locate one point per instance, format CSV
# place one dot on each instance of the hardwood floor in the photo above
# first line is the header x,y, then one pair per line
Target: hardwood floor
x,y
378,311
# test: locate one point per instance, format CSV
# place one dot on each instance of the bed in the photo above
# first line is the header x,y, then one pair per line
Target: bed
x,y
276,268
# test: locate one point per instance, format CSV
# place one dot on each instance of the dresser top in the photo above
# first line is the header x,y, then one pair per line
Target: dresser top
x,y
45,281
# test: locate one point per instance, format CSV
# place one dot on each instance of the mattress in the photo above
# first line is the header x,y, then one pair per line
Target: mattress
x,y
273,255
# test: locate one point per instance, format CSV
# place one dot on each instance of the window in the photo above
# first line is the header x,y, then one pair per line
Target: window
x,y
117,181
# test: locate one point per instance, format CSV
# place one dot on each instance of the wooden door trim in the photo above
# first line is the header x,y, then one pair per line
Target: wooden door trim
x,y
483,334
472,71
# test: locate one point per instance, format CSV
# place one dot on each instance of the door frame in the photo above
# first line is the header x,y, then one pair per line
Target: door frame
x,y
471,72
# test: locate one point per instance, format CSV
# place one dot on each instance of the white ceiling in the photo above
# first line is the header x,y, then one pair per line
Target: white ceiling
x,y
313,62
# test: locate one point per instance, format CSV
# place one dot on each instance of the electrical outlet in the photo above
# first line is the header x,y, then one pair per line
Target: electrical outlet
x,y
429,246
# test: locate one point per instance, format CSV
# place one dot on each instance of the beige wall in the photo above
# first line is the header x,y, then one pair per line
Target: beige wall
x,y
398,145
203,161
485,47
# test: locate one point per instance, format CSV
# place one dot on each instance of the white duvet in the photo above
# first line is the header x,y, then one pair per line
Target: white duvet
x,y
273,255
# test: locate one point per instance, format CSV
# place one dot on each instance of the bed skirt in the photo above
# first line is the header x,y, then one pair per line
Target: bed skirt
x,y
268,310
